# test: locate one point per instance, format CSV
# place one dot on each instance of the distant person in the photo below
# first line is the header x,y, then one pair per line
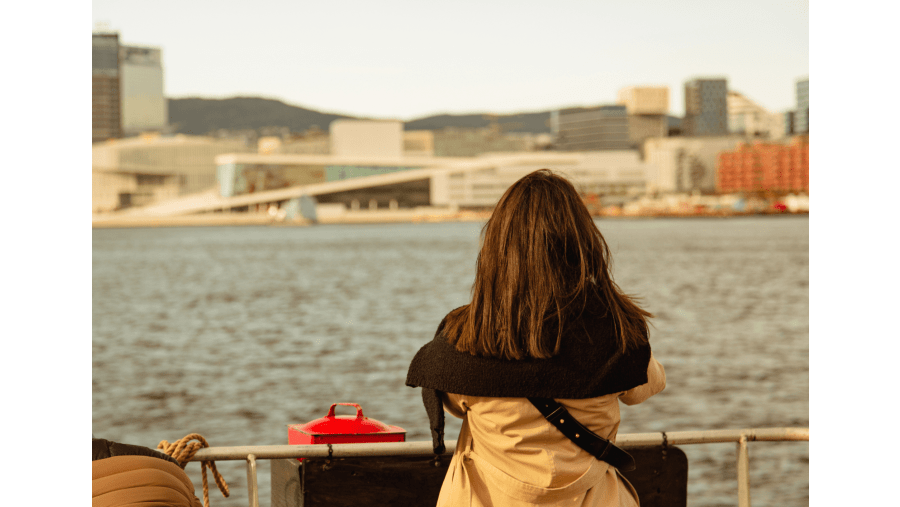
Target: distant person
x,y
546,322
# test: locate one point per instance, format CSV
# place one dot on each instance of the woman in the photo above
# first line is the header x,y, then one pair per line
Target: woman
x,y
546,321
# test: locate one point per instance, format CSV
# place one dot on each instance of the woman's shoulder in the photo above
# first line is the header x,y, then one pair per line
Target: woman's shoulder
x,y
454,313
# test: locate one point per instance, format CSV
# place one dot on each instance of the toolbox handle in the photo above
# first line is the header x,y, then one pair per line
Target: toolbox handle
x,y
359,414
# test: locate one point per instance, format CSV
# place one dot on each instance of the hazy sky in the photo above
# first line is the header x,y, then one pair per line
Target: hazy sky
x,y
408,59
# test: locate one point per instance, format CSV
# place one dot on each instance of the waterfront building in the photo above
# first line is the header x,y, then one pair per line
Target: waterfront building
x,y
150,168
361,149
592,128
614,176
705,107
368,138
765,167
144,106
463,142
801,120
647,109
106,113
749,118
355,148
133,172
685,164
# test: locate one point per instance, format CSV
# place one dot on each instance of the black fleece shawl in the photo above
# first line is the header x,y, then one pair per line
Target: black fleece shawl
x,y
102,449
589,364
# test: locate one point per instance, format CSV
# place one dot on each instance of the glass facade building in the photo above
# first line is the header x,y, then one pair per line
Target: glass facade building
x,y
705,107
106,111
593,129
801,119
144,106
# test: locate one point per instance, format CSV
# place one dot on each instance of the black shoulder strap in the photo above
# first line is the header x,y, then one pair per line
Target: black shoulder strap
x,y
601,448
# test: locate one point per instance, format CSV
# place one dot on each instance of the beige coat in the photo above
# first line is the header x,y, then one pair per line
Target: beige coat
x,y
507,454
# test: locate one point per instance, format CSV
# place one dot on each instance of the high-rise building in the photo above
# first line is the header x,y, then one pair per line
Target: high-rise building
x,y
106,99
801,118
592,129
144,107
647,107
705,107
651,100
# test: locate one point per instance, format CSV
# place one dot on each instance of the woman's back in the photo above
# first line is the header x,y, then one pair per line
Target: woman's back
x,y
511,435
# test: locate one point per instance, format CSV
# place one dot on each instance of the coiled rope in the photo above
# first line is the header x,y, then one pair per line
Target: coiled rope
x,y
183,450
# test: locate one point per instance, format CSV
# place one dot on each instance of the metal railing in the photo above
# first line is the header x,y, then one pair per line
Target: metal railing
x,y
741,437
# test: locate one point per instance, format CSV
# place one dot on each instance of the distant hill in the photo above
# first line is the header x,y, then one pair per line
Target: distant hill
x,y
535,123
201,116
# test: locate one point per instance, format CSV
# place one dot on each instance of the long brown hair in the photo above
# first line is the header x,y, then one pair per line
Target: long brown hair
x,y
541,257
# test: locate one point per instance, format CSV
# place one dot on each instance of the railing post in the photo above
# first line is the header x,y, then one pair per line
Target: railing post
x,y
743,471
252,490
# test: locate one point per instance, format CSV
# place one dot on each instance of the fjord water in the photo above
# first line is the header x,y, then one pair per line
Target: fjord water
x,y
235,332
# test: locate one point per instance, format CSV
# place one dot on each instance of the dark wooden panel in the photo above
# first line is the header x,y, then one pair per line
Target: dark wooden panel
x,y
395,481
660,476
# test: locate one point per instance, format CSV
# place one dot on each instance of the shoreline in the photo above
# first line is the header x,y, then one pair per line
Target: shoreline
x,y
368,217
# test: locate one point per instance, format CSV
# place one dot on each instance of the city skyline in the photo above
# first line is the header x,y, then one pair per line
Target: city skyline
x,y
406,60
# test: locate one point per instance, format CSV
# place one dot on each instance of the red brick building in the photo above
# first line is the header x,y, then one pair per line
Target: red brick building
x,y
761,167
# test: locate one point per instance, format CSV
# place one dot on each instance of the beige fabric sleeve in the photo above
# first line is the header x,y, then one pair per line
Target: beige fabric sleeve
x,y
656,382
